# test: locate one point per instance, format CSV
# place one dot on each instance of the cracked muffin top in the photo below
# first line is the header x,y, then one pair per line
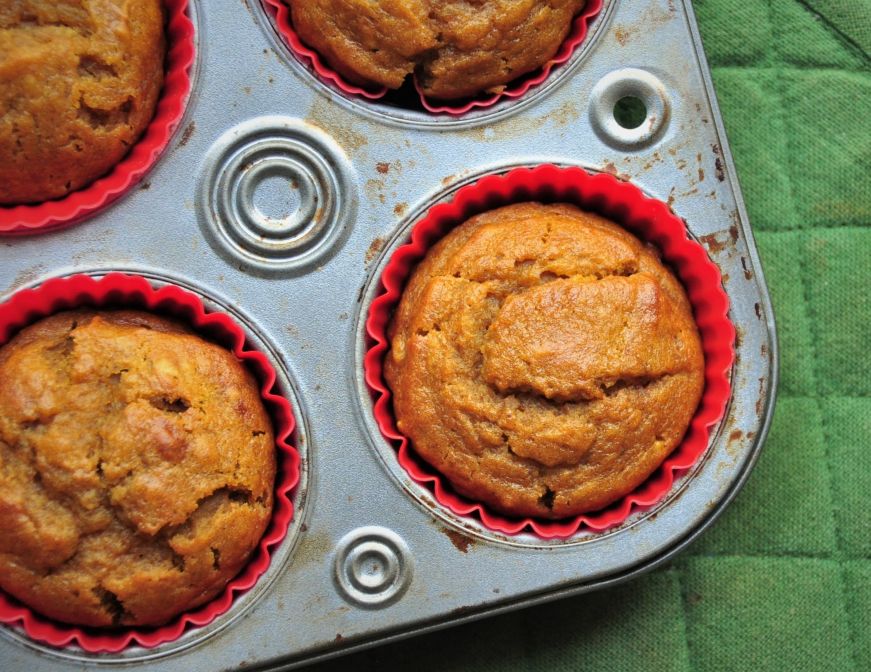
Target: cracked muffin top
x,y
136,468
457,48
544,360
79,82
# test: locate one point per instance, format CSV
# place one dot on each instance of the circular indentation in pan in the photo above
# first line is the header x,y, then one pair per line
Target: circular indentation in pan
x,y
277,195
372,566
629,108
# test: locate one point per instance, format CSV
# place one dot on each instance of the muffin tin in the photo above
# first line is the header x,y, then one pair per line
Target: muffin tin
x,y
280,200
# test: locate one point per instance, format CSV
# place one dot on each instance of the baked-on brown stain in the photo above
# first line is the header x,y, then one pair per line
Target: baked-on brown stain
x,y
382,167
718,163
713,243
622,35
456,48
460,541
761,395
187,134
77,88
138,468
610,168
374,248
543,360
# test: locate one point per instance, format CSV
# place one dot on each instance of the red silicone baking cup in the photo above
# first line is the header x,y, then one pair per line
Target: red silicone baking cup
x,y
280,13
75,206
117,290
651,221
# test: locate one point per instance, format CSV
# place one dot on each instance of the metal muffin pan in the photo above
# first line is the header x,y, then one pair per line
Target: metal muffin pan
x,y
370,557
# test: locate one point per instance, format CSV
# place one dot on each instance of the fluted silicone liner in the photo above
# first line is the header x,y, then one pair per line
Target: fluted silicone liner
x,y
651,221
75,206
279,11
118,290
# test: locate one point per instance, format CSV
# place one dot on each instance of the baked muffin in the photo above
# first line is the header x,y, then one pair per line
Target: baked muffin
x,y
136,468
79,82
458,48
544,360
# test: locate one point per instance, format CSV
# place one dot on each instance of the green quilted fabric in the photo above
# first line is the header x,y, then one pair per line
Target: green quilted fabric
x,y
783,580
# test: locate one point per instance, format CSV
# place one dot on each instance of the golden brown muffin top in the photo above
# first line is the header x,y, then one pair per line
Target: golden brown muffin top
x,y
544,360
136,468
79,82
458,47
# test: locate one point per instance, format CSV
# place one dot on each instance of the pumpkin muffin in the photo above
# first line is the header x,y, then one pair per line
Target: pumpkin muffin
x,y
79,82
543,360
136,468
457,48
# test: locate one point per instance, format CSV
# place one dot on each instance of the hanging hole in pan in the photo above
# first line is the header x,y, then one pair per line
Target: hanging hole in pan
x,y
630,112
629,108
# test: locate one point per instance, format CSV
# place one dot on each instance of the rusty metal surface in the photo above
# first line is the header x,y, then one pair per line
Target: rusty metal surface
x,y
299,270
